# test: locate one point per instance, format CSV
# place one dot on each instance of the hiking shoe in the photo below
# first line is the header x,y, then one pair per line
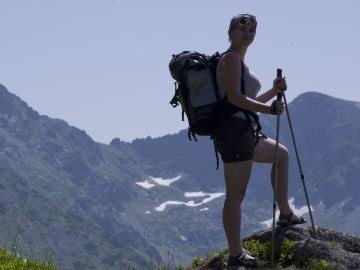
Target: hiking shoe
x,y
240,261
286,220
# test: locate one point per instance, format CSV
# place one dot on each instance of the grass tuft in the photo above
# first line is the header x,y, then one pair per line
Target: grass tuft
x,y
14,261
286,255
320,265
258,249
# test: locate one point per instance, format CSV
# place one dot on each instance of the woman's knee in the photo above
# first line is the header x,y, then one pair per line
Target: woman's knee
x,y
234,198
283,156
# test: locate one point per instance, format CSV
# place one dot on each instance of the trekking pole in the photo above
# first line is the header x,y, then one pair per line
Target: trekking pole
x,y
279,97
299,164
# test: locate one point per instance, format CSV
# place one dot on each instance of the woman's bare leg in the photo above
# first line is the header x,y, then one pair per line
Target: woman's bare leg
x,y
265,153
237,175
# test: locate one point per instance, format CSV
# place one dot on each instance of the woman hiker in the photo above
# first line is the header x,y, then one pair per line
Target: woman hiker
x,y
238,143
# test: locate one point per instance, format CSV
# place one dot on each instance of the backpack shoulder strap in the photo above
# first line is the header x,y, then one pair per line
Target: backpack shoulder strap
x,y
242,71
242,78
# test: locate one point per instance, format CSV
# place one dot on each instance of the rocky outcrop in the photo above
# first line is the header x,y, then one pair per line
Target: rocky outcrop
x,y
324,249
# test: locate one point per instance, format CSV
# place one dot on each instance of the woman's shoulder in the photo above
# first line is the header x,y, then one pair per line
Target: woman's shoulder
x,y
230,60
230,56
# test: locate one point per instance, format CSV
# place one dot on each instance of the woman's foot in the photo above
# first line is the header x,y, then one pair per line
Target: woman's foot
x,y
242,260
290,219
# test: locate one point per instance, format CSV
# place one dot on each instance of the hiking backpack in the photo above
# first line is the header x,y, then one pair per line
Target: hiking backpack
x,y
197,91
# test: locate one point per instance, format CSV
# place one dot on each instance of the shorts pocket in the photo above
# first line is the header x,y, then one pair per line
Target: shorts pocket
x,y
235,142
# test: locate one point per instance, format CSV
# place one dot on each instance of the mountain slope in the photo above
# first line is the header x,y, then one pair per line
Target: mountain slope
x,y
63,192
327,132
331,131
105,206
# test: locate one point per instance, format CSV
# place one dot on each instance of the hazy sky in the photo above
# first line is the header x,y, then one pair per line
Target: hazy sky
x,y
102,65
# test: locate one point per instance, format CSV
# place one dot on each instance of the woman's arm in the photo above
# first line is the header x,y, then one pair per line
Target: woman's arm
x,y
265,97
230,72
279,84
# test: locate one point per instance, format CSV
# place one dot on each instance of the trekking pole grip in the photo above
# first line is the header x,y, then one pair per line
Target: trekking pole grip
x,y
279,75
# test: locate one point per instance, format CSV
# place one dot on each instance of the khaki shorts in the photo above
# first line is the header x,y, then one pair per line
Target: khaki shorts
x,y
235,140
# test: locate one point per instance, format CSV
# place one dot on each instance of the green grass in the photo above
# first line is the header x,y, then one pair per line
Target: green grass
x,y
14,261
258,249
320,265
286,255
196,261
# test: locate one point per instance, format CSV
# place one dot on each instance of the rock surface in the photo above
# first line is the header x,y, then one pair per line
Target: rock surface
x,y
338,250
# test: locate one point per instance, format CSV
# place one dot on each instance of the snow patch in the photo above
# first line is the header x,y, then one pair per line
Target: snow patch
x,y
145,184
183,238
210,197
165,182
147,212
151,182
162,206
204,209
195,194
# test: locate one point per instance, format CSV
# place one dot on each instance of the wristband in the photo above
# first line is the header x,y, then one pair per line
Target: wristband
x,y
273,107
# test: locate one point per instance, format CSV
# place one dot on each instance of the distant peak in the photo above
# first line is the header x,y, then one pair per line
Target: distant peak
x,y
4,92
13,106
316,99
318,95
116,142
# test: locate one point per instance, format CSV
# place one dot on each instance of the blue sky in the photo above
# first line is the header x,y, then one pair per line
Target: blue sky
x,y
102,65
